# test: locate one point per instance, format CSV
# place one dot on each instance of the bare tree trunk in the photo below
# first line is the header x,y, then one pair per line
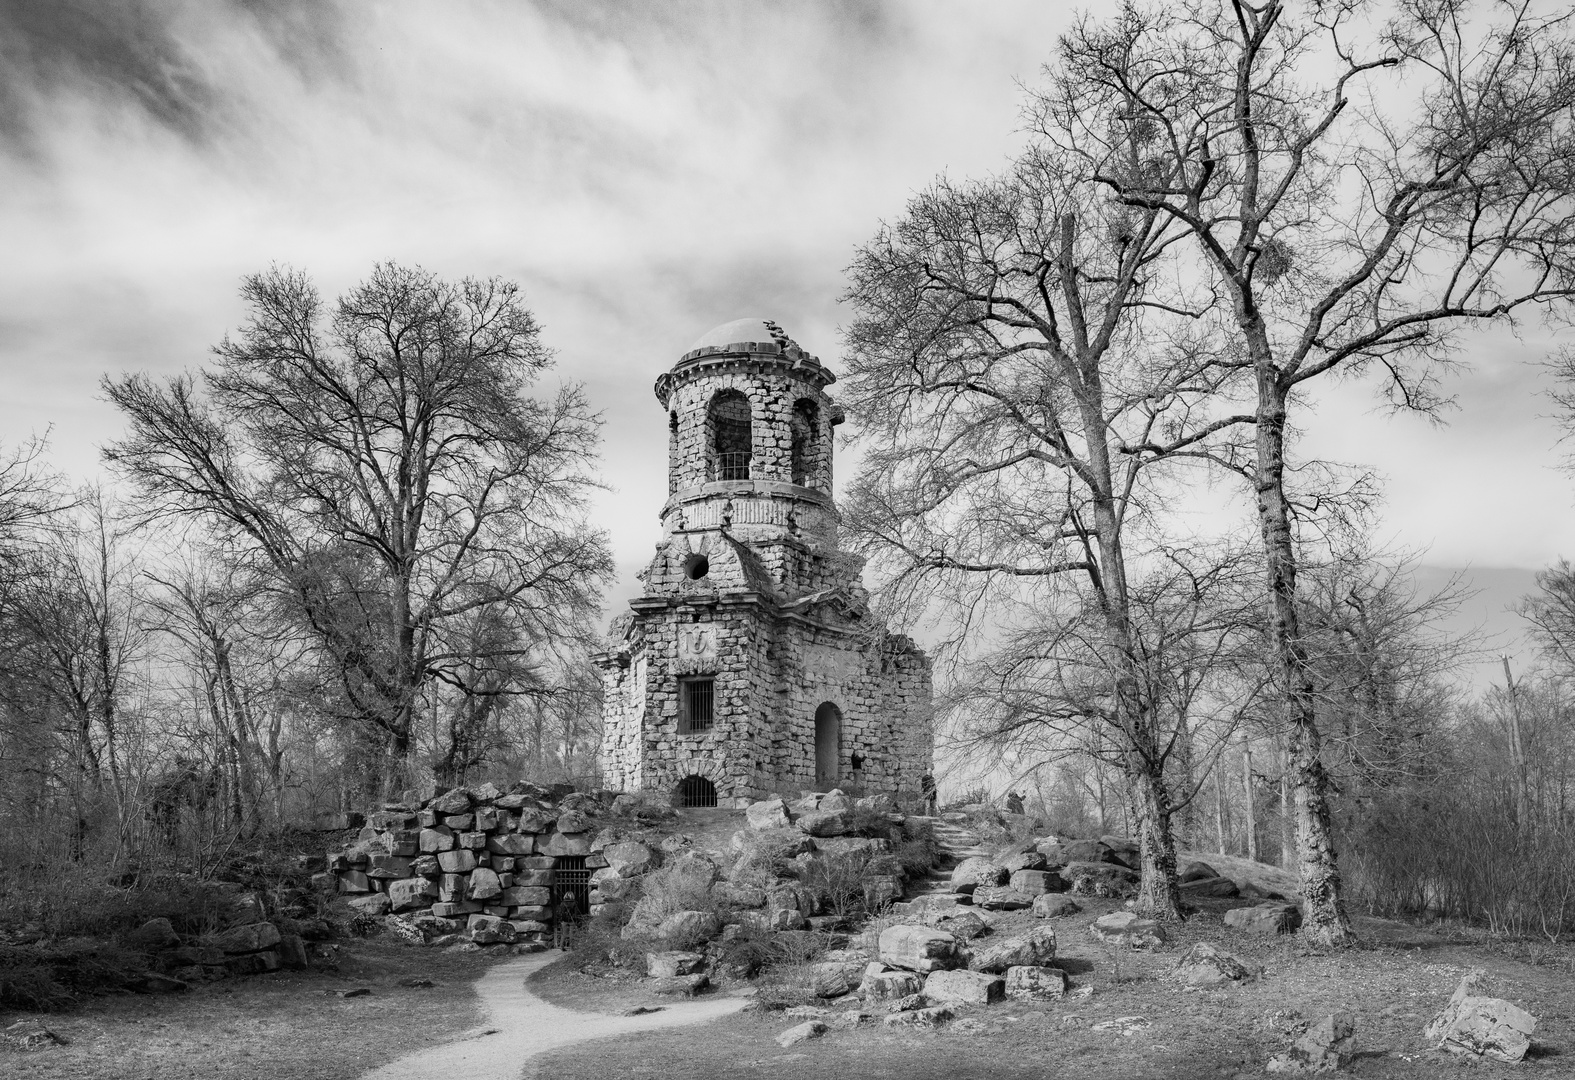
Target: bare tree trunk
x,y
1219,804
1326,920
1249,800
1517,750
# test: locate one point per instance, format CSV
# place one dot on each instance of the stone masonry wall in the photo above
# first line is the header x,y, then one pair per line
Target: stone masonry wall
x,y
772,394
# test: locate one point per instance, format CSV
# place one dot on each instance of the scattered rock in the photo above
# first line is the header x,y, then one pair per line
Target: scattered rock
x,y
1035,983
1055,905
679,986
1125,928
1270,918
1325,1047
917,948
690,926
881,985
153,936
1126,1026
253,937
31,1035
962,923
671,964
1475,1024
1196,871
825,822
977,870
351,992
964,987
920,1018
1036,883
995,898
767,814
810,1029
1204,965
1219,887
1035,948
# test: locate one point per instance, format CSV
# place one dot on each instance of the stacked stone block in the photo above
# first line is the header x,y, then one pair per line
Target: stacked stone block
x,y
478,862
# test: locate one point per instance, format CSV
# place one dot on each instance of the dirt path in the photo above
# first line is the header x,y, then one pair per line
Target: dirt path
x,y
522,1025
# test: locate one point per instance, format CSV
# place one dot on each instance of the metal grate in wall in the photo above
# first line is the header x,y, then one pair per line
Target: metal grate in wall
x,y
699,704
696,791
570,876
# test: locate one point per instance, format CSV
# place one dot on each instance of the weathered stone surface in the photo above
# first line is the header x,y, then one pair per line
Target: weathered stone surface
x,y
459,822
920,1017
484,885
354,881
1265,918
388,867
559,844
1055,905
1475,1024
629,859
679,986
884,985
251,938
1325,1047
962,923
489,929
1204,965
436,839
963,987
425,866
824,822
852,845
459,861
457,801
472,841
1037,882
882,890
487,792
27,1036
690,926
1034,983
1125,928
1090,851
767,814
411,893
917,948
534,820
1196,871
1022,860
978,870
376,904
511,844
999,898
1218,887
1110,880
153,935
673,963
739,896
1035,948
403,929
809,1029
527,895
573,822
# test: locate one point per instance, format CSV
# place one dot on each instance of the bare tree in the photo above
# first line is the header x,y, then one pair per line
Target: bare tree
x,y
1359,193
381,465
1023,354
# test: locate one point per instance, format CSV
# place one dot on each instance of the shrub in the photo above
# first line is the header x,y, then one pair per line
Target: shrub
x,y
767,856
867,821
50,975
916,849
836,882
600,941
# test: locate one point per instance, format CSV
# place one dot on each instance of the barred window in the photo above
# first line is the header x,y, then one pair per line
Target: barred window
x,y
697,699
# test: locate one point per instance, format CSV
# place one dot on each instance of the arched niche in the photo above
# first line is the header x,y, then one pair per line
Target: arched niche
x,y
729,423
828,746
695,791
806,443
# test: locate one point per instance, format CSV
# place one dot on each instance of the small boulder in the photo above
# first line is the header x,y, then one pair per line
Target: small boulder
x,y
767,814
882,985
978,870
1125,928
411,893
572,822
1104,879
673,963
825,822
963,987
835,799
1196,871
917,948
1036,948
457,801
1035,983
919,1017
629,859
1475,1024
690,926
1204,965
1054,906
996,898
1270,918
1092,851
679,986
1037,882
254,937
153,936
809,1029
1023,860
1217,887
962,923
484,885
1325,1047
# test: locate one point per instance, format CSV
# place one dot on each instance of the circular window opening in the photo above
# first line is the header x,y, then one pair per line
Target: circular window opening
x,y
697,567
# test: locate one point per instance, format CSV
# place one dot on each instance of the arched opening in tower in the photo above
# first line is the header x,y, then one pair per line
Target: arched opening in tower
x,y
696,791
828,745
806,442
728,420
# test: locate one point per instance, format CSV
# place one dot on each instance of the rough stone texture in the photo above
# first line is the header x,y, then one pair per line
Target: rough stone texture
x,y
629,859
1033,983
694,926
1476,1024
411,893
1104,879
1217,887
920,1017
883,985
1055,905
1037,882
767,814
671,964
1030,859
680,986
964,987
995,898
1204,965
459,861
809,1029
1124,928
962,923
917,948
825,822
978,870
1325,1047
1036,948
778,618
153,935
1196,871
253,937
1265,918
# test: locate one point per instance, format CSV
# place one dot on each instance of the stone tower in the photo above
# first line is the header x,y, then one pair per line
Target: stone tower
x,y
751,663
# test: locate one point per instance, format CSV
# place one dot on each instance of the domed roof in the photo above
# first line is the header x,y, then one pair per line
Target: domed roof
x,y
757,336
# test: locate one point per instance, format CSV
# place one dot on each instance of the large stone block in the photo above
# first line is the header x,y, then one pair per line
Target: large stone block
x,y
825,822
881,984
673,963
963,987
1055,905
1035,983
527,896
388,867
558,844
997,898
976,871
1037,882
767,814
629,859
511,844
1270,918
1126,929
412,893
917,948
436,839
459,861
484,885
252,937
1035,948
457,801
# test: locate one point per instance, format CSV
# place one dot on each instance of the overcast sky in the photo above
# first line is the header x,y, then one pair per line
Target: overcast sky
x,y
645,170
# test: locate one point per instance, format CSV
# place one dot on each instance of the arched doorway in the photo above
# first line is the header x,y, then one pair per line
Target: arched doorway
x,y
828,743
696,791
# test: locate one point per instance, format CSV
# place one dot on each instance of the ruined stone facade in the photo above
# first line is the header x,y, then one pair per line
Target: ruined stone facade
x,y
752,661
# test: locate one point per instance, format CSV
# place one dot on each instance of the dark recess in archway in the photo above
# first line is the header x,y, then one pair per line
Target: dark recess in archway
x,y
696,791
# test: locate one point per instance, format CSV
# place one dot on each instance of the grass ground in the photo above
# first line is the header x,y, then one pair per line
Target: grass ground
x,y
284,1026
1394,984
